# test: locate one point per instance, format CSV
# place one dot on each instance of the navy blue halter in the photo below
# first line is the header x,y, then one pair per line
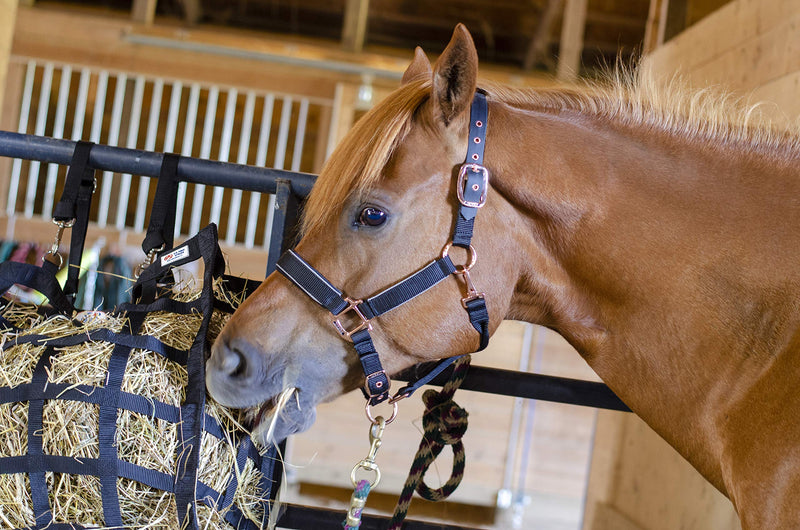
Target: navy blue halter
x,y
471,189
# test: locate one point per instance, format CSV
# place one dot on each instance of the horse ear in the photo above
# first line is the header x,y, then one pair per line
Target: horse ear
x,y
455,76
419,67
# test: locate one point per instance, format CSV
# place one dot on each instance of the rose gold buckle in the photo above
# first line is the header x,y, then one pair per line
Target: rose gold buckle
x,y
364,324
462,180
378,384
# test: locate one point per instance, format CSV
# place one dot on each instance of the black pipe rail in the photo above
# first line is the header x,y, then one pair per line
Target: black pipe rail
x,y
147,163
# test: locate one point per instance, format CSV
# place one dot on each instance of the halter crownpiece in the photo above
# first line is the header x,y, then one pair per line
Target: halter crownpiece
x,y
471,188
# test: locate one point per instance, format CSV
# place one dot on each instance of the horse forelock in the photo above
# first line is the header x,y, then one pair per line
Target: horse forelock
x,y
358,161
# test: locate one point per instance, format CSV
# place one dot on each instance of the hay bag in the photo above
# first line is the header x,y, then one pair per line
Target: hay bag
x,y
106,423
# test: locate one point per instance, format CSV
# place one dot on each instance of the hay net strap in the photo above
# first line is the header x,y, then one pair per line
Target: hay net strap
x,y
110,398
161,228
75,205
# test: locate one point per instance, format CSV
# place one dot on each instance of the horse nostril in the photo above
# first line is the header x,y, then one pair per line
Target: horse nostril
x,y
233,362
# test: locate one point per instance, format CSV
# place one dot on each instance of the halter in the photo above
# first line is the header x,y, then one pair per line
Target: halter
x,y
471,189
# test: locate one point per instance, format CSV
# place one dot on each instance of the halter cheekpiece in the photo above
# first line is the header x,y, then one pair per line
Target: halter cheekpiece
x,y
471,189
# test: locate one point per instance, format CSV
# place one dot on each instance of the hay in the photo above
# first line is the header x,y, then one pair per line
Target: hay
x,y
71,428
22,316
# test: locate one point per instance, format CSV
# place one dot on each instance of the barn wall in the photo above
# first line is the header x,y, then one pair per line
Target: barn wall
x,y
751,47
637,482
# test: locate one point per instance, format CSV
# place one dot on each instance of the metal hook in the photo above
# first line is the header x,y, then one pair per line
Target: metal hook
x,y
375,434
57,241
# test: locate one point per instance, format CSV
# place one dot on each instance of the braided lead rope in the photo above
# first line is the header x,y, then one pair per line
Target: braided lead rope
x,y
357,502
444,423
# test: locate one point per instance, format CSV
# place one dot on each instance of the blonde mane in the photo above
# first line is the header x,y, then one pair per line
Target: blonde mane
x,y
358,162
632,98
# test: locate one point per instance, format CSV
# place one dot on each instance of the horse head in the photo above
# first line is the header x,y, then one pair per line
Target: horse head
x,y
382,208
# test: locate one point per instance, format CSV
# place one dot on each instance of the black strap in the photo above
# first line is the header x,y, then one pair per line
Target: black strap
x,y
74,205
473,177
41,279
311,282
376,386
161,229
408,288
430,375
79,173
479,318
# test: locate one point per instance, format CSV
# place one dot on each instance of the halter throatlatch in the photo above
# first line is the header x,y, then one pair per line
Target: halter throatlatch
x,y
471,188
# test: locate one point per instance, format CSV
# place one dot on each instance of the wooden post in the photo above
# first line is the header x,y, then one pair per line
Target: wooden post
x,y
538,51
192,11
569,55
8,17
354,30
144,11
656,23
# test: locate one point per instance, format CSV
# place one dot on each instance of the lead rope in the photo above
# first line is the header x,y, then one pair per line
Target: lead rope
x,y
444,423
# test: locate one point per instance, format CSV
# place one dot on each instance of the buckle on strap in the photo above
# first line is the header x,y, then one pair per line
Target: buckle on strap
x,y
378,380
352,305
466,171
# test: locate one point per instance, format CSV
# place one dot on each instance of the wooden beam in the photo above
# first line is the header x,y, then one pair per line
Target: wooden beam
x,y
192,11
354,31
144,11
569,55
8,17
538,49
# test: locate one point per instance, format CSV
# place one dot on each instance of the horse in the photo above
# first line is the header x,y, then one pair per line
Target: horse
x,y
657,234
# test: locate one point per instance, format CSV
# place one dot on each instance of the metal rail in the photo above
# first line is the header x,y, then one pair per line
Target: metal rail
x,y
146,163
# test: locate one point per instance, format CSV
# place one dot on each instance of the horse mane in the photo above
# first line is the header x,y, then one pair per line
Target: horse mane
x,y
636,97
631,97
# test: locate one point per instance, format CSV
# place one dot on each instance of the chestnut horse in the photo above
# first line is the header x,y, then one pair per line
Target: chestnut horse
x,y
662,247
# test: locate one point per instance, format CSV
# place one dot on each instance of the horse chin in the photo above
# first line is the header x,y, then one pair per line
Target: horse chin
x,y
272,421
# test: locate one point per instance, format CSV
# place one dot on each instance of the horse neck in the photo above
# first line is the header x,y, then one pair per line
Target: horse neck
x,y
668,263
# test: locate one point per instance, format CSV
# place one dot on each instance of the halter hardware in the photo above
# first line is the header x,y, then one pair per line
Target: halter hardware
x,y
482,188
472,293
352,305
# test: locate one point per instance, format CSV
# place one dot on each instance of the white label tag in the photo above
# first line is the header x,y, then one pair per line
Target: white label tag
x,y
175,255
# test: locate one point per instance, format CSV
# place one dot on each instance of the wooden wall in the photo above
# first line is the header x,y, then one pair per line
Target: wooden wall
x,y
750,48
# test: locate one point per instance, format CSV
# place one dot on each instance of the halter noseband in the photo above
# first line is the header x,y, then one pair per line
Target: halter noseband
x,y
471,188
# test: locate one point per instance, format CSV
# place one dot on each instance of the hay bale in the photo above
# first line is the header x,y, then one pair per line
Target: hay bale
x,y
71,428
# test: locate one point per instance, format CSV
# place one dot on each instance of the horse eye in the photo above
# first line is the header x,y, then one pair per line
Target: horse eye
x,y
371,216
